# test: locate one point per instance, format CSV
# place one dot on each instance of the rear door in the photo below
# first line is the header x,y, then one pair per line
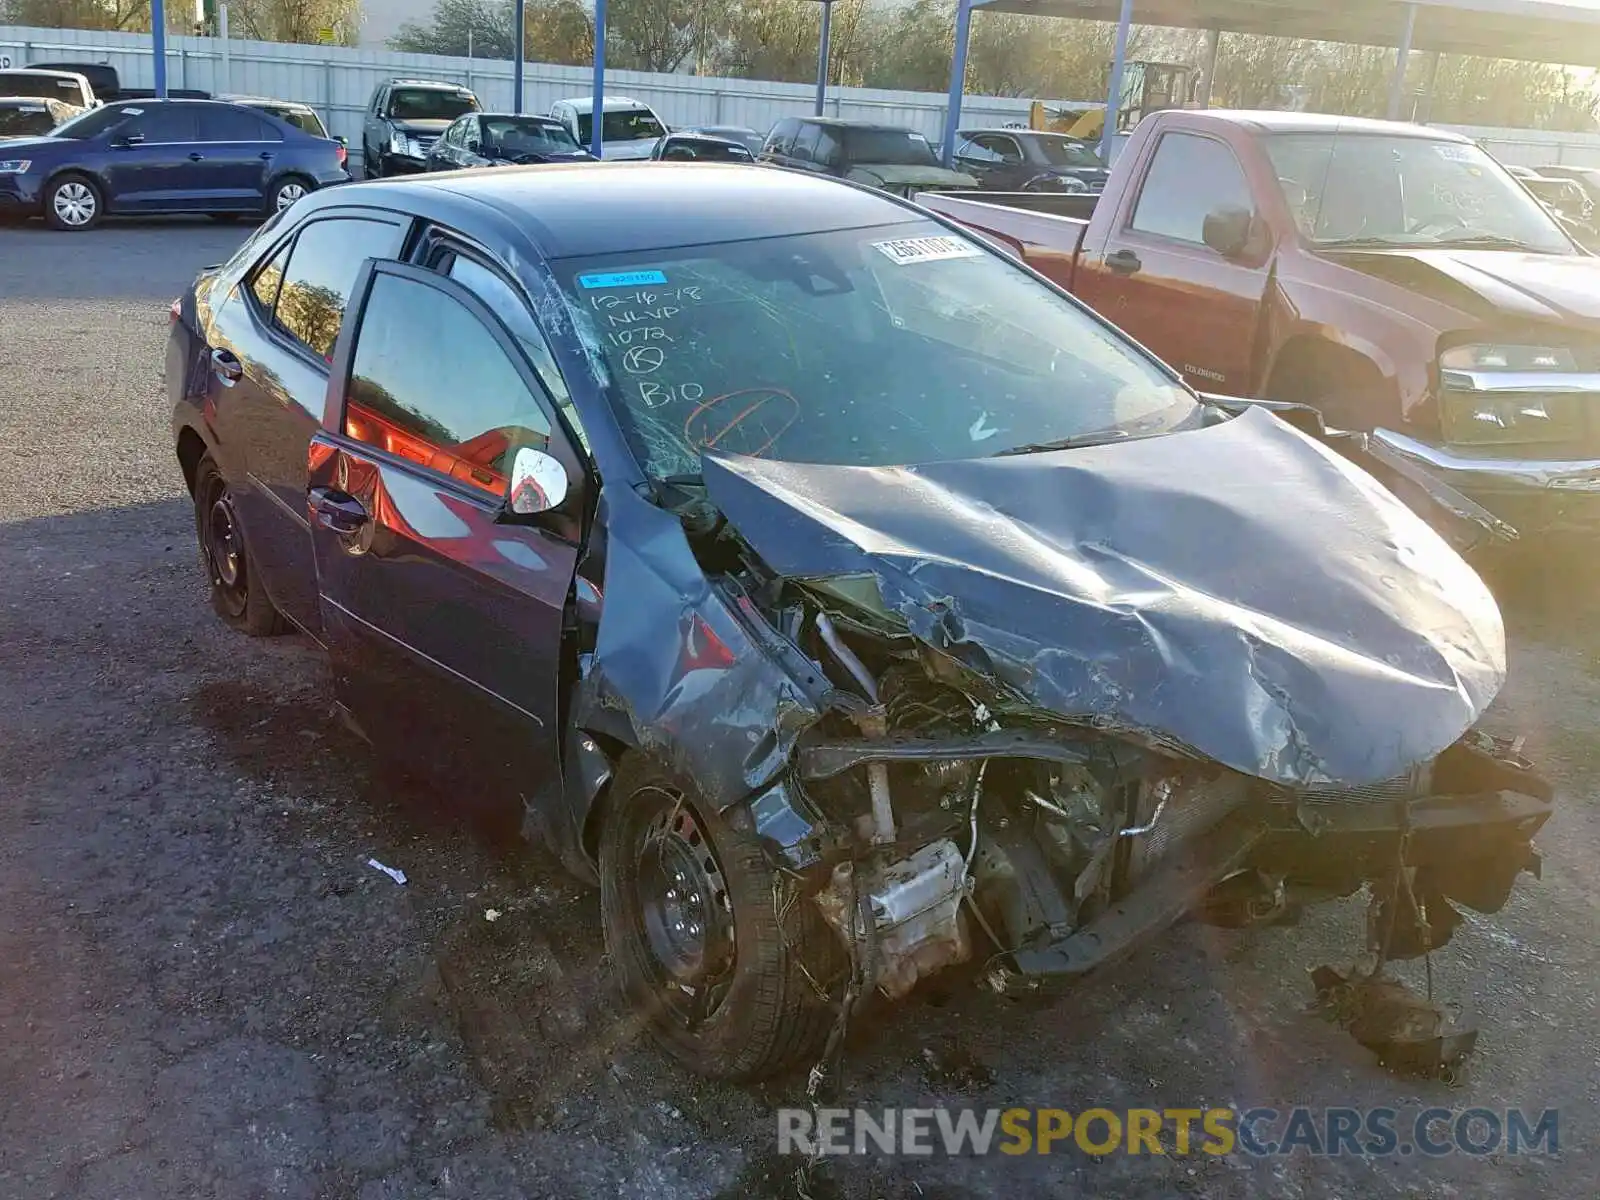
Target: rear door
x,y
1157,279
443,611
275,337
148,167
238,150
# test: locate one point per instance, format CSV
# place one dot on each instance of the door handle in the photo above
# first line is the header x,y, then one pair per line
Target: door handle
x,y
1123,262
338,511
229,370
196,156
267,156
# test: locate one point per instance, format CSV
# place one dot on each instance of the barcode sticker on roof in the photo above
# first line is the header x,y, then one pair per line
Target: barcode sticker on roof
x,y
926,249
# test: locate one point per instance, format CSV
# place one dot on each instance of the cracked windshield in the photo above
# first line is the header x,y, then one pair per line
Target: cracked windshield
x,y
873,347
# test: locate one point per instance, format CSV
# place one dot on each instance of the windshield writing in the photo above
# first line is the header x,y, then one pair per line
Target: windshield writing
x,y
886,346
1406,191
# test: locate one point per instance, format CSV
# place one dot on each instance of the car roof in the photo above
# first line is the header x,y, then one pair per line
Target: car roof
x,y
585,104
45,72
440,84
1042,133
845,123
542,118
586,209
1293,122
298,105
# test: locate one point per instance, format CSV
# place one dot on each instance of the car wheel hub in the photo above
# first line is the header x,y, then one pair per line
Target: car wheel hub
x,y
288,194
222,544
74,203
685,910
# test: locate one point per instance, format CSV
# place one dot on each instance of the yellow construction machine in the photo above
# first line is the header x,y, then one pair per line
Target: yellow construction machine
x,y
1146,87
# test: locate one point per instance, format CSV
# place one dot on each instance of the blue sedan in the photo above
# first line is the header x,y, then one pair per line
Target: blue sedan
x,y
165,156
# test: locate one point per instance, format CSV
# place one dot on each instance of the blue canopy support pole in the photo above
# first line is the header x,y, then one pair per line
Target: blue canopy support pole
x,y
521,15
597,111
958,78
158,44
822,55
1397,82
1119,55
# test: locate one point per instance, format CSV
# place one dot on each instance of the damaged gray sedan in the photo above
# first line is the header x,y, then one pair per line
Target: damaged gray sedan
x,y
850,604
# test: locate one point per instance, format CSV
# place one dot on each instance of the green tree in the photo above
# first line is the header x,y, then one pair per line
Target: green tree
x,y
555,31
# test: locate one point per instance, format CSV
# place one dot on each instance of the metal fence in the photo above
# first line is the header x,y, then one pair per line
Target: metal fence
x,y
338,82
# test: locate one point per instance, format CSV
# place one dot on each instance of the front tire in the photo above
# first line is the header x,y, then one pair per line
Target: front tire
x,y
237,594
691,915
73,203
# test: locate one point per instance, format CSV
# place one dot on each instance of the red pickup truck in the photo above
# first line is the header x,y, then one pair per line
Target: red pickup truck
x,y
1394,277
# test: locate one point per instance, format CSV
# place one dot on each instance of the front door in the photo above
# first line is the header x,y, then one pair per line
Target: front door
x,y
443,611
1157,279
149,168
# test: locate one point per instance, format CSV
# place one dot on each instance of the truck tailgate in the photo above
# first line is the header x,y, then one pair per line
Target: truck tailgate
x,y
1047,242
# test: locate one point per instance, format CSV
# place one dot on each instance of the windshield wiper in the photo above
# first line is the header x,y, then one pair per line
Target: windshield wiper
x,y
1487,241
1066,443
1370,243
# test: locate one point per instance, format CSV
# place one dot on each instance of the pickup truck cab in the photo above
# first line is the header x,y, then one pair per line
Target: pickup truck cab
x,y
1395,277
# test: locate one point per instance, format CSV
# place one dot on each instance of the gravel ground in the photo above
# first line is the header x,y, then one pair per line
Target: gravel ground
x,y
205,992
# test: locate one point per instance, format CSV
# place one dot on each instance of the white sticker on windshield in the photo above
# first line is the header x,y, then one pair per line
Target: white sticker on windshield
x,y
1452,152
134,112
926,249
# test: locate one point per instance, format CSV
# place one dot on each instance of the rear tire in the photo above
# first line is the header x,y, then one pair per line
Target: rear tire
x,y
286,192
73,203
237,594
692,929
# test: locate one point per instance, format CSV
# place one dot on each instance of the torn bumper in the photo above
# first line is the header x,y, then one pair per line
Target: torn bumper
x,y
1532,495
1470,848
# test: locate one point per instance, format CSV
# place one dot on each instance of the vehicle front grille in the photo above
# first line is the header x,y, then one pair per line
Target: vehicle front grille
x,y
1413,783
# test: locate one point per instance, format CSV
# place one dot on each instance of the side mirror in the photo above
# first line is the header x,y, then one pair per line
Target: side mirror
x,y
474,146
1227,230
342,140
538,482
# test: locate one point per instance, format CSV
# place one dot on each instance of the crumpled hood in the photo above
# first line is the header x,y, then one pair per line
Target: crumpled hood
x,y
909,176
1540,287
1238,590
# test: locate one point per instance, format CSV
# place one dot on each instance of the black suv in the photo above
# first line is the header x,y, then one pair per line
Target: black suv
x,y
405,118
883,156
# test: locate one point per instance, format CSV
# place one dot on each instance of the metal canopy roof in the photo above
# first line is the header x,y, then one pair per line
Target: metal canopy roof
x,y
1522,29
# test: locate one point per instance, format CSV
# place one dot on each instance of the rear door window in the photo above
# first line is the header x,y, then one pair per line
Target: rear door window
x,y
322,268
464,412
232,125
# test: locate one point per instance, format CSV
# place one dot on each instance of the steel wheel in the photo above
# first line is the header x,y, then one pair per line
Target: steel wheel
x,y
223,549
74,204
288,193
685,916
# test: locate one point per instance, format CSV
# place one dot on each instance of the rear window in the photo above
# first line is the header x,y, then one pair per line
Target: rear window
x,y
621,125
430,104
890,147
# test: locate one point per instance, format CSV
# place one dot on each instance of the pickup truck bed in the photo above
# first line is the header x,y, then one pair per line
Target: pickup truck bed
x,y
1043,230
